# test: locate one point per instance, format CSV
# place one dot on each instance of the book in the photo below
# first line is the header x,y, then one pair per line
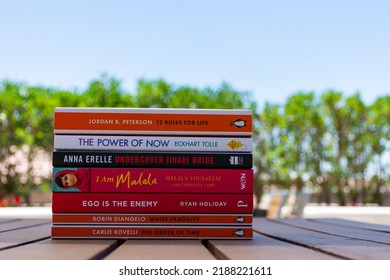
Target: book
x,y
153,143
152,180
66,158
152,219
157,232
156,121
162,203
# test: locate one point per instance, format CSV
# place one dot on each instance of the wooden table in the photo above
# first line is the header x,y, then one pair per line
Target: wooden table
x,y
281,239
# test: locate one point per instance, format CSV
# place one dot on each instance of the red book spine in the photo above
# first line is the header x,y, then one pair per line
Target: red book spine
x,y
152,203
153,180
166,232
152,219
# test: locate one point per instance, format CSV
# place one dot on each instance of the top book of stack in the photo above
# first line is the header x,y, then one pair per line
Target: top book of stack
x,y
155,121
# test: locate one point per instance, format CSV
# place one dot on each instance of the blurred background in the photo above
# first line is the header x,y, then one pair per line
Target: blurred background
x,y
315,75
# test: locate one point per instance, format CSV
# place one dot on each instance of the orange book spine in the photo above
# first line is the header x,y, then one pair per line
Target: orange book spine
x,y
152,219
157,123
144,232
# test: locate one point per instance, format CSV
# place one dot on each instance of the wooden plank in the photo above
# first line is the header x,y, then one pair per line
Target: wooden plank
x,y
19,224
161,250
24,235
344,247
358,233
60,250
263,248
353,224
7,220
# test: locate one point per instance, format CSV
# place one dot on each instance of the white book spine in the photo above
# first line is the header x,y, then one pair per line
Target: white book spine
x,y
153,143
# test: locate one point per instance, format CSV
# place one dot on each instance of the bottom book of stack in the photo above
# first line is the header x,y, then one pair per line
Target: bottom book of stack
x,y
151,226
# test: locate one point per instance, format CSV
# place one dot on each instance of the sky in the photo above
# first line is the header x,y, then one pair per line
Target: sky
x,y
271,49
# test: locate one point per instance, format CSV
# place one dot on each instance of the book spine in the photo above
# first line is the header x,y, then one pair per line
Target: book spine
x,y
149,122
151,160
152,219
153,143
152,180
191,203
161,232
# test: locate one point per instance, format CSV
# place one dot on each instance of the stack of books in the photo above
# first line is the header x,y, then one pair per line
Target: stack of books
x,y
152,173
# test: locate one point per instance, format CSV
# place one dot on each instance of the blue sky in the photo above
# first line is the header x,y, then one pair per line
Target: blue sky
x,y
269,48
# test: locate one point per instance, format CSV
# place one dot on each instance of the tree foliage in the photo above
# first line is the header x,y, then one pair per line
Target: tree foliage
x,y
335,145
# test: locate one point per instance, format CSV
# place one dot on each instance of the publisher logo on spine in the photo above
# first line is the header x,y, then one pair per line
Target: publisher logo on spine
x,y
239,232
242,204
238,123
236,160
236,145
